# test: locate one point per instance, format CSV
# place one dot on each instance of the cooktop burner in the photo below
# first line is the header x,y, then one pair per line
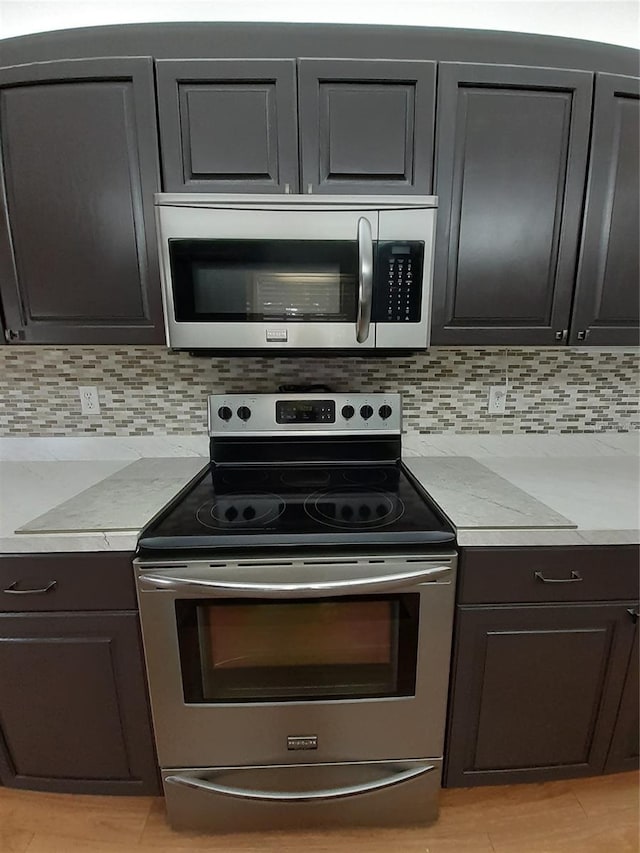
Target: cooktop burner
x,y
234,506
352,508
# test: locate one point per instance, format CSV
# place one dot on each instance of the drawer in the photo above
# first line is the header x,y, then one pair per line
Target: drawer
x,y
574,573
79,581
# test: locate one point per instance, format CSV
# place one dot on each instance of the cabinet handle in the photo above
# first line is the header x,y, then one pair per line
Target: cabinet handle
x,y
13,335
583,335
11,589
575,577
633,612
562,335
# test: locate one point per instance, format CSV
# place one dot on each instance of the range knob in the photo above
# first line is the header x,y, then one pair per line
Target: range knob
x,y
224,412
348,412
384,412
366,412
244,413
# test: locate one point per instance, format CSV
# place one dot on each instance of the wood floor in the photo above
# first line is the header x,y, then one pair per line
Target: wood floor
x,y
598,815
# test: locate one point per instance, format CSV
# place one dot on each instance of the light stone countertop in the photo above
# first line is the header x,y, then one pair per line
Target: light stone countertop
x,y
497,490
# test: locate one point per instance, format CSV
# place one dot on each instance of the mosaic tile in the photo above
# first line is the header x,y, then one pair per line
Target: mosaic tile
x,y
149,390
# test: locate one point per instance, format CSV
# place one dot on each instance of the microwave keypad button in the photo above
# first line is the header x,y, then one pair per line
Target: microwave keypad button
x,y
366,412
224,413
244,413
348,412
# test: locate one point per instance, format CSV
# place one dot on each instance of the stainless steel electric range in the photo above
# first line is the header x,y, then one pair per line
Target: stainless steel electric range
x,y
296,601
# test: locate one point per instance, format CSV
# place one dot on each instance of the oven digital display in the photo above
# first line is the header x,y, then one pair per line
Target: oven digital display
x,y
305,411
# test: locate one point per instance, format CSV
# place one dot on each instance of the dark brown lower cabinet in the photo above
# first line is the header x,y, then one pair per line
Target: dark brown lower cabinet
x,y
74,714
536,691
624,752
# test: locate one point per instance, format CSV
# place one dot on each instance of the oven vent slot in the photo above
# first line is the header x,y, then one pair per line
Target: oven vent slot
x,y
261,563
217,565
148,566
330,562
377,561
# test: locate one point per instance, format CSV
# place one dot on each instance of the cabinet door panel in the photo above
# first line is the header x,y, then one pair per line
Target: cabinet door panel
x,y
366,126
607,303
535,691
79,163
624,753
228,125
73,710
511,159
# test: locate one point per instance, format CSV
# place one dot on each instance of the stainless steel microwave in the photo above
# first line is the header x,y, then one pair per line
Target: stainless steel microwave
x,y
296,272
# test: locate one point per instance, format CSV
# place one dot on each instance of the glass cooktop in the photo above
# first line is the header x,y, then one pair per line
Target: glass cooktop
x,y
237,506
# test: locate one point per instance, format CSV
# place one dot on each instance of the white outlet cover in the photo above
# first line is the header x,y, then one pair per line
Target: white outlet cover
x,y
497,399
89,400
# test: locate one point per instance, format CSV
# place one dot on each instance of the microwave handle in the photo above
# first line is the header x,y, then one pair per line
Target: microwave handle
x,y
365,279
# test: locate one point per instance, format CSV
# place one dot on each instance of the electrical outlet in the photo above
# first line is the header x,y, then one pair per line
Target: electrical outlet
x,y
89,402
497,399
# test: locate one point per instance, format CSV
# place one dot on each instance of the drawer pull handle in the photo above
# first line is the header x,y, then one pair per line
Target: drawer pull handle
x,y
575,577
11,589
633,612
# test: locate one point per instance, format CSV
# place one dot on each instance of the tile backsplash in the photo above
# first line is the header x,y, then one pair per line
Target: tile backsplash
x,y
148,390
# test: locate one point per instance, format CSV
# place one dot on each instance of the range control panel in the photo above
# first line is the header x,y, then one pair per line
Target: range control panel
x,y
398,285
273,414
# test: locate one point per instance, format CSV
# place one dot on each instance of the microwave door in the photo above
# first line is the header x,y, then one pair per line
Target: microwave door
x,y
269,279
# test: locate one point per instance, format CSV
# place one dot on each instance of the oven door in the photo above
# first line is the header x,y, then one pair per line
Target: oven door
x,y
256,663
267,279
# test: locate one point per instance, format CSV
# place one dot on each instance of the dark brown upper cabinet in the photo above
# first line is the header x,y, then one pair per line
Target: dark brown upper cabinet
x,y
606,309
228,125
511,158
366,126
79,168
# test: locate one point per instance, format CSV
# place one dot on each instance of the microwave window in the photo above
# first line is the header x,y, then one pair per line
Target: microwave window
x,y
264,281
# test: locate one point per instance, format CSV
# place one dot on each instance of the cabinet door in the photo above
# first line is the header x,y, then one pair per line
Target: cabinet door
x,y
511,161
228,125
535,691
624,753
73,706
606,309
79,168
366,126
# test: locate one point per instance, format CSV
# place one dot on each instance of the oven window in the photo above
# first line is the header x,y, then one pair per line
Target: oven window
x,y
263,281
260,651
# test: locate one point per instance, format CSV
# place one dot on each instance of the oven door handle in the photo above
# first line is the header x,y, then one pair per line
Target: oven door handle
x,y
300,796
308,589
365,279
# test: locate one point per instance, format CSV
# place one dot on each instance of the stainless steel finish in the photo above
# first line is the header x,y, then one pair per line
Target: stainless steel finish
x,y
304,589
394,224
240,201
301,796
575,578
263,415
11,589
287,188
257,732
365,279
413,799
308,217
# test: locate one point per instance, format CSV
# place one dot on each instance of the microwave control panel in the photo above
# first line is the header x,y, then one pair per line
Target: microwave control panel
x,y
398,282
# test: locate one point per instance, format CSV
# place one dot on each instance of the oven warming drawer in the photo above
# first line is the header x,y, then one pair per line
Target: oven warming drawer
x,y
225,799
